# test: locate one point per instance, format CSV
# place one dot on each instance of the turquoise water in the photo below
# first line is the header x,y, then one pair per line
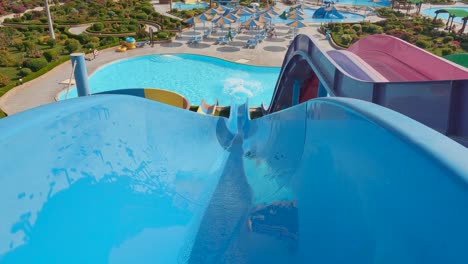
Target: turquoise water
x,y
364,3
193,76
431,12
348,17
183,6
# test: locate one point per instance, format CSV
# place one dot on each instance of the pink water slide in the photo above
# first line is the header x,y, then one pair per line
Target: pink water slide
x,y
399,61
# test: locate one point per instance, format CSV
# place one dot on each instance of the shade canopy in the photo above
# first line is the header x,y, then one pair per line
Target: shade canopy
x,y
300,6
274,10
296,17
251,23
243,12
193,20
213,11
297,24
268,15
222,21
204,17
221,9
232,16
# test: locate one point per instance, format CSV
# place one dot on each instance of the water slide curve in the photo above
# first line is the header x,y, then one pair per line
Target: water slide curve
x,y
122,179
380,69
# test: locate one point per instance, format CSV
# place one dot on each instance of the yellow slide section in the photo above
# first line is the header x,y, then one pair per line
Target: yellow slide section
x,y
167,97
190,2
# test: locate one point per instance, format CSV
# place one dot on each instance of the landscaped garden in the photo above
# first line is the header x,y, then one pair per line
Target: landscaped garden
x,y
26,50
420,31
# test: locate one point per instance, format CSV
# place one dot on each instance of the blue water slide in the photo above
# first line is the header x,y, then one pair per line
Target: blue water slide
x,y
334,14
319,13
122,179
415,99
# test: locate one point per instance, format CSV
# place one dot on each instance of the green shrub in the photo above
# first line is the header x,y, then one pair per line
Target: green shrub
x,y
162,35
17,44
108,40
6,59
24,72
82,38
4,80
50,55
423,44
447,39
418,29
446,51
90,46
51,43
98,26
357,27
72,45
346,39
63,37
142,16
36,64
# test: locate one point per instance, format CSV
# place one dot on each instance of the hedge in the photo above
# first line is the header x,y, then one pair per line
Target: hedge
x,y
34,75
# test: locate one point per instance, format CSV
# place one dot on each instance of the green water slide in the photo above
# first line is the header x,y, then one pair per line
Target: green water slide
x,y
460,59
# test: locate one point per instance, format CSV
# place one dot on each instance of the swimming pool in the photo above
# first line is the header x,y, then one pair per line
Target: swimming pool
x,y
183,6
364,3
348,17
193,76
431,12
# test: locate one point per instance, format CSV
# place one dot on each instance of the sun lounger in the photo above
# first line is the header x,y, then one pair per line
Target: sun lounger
x,y
195,40
141,44
207,33
233,34
223,40
251,43
260,38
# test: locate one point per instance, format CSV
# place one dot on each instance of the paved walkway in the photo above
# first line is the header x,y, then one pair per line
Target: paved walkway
x,y
163,9
78,30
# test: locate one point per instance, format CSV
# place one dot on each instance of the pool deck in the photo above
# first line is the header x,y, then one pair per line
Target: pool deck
x,y
270,52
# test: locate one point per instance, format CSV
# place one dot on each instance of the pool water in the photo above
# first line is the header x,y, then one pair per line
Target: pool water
x,y
183,6
193,76
431,12
348,17
382,3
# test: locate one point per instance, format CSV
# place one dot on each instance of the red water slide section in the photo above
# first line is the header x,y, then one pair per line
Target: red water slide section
x,y
399,61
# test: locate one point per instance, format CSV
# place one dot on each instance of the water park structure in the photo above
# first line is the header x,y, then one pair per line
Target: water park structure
x,y
127,45
327,11
343,160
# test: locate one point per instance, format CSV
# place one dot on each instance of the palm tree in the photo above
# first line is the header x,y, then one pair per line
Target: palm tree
x,y
49,20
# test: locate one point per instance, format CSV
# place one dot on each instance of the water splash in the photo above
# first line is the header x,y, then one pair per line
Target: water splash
x,y
240,89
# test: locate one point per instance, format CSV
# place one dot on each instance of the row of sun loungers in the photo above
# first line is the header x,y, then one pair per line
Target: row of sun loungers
x,y
251,43
195,40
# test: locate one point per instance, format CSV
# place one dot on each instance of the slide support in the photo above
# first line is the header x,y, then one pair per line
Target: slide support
x,y
322,92
81,75
296,92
